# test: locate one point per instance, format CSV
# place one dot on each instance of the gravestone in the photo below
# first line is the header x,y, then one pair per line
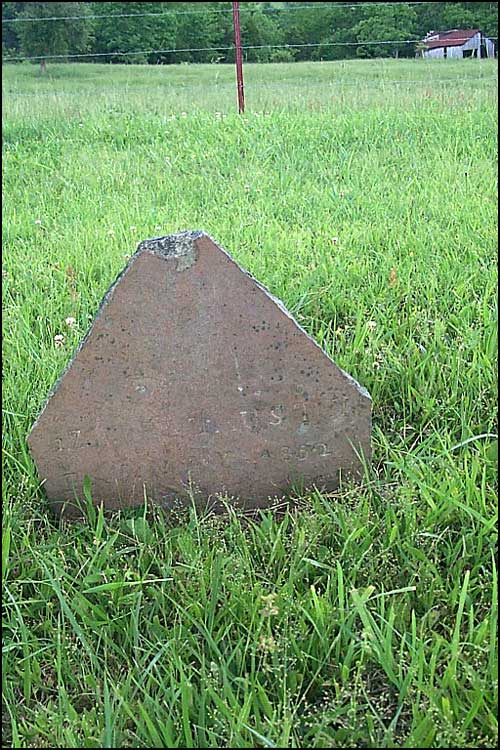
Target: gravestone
x,y
194,380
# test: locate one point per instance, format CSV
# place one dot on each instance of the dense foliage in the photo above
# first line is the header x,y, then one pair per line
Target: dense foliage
x,y
314,30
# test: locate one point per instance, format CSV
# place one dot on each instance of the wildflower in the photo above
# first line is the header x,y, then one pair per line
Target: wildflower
x,y
158,229
269,608
70,322
38,222
183,114
267,643
247,188
133,229
111,232
371,324
59,340
335,240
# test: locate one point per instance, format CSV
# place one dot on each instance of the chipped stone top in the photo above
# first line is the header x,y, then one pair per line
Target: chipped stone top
x,y
181,246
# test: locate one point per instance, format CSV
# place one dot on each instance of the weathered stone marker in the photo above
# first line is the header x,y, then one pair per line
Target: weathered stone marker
x,y
193,378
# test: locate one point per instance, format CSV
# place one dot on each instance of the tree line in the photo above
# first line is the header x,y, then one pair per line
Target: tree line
x,y
203,32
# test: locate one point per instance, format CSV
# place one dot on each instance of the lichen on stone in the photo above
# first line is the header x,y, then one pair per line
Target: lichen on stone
x,y
181,246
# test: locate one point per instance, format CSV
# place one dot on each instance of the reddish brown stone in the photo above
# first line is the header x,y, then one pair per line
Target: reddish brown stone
x,y
193,378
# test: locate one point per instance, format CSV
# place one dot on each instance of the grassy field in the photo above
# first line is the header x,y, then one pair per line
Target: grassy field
x,y
364,195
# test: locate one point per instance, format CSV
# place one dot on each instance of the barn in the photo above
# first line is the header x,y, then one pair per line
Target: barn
x,y
458,43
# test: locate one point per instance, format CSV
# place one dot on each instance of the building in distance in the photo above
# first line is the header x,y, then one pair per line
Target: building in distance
x,y
457,43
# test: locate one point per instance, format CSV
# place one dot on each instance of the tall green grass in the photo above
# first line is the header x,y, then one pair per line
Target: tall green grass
x,y
364,195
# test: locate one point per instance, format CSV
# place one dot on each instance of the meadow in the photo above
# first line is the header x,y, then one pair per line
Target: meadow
x,y
364,195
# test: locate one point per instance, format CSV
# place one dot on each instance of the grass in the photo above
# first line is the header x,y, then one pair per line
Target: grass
x,y
364,195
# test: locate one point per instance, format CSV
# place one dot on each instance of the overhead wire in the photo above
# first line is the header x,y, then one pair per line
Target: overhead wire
x,y
174,50
179,88
284,9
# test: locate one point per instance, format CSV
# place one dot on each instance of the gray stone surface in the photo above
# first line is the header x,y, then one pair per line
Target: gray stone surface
x,y
194,379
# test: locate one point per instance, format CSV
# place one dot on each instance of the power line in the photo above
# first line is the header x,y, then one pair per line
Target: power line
x,y
216,49
204,11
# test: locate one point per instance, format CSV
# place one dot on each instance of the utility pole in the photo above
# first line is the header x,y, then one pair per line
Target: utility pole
x,y
239,57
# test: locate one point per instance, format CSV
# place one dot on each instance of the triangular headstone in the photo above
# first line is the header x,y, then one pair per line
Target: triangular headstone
x,y
193,378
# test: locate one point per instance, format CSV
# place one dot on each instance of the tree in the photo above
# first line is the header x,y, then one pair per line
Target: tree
x,y
313,30
10,39
259,29
307,24
65,37
456,17
335,32
394,22
198,28
485,17
446,16
134,28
